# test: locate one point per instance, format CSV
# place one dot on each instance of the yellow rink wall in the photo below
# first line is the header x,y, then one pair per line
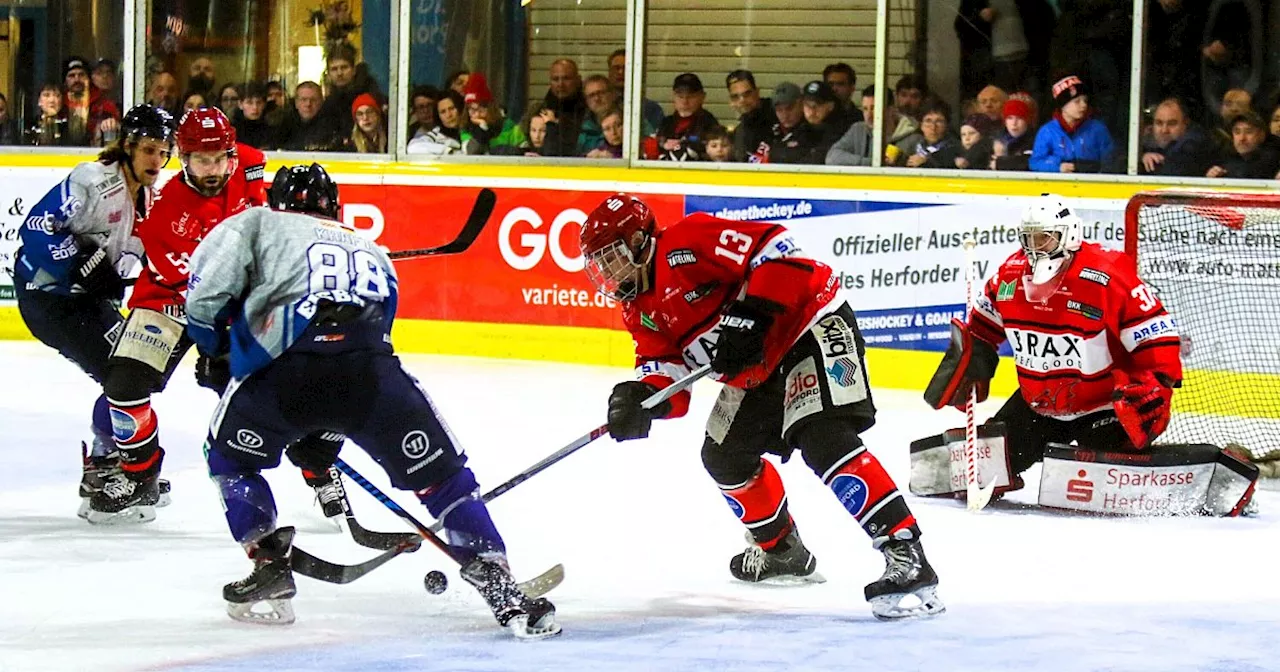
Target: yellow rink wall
x,y
898,368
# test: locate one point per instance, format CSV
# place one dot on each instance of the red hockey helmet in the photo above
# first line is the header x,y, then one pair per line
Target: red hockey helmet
x,y
207,131
617,245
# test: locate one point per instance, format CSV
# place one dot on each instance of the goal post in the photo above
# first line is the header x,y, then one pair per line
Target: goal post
x,y
1213,258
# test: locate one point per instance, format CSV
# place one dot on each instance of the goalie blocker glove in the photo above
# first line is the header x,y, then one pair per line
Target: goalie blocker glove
x,y
969,362
628,418
743,327
96,275
1142,405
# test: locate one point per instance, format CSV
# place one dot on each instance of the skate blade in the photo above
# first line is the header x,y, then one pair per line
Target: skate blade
x,y
83,513
263,612
132,515
519,626
889,607
792,580
165,499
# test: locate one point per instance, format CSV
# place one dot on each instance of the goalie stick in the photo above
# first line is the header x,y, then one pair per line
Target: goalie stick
x,y
479,216
535,587
976,497
580,442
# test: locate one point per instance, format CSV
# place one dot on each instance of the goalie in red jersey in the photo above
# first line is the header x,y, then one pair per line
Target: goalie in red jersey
x,y
1098,359
220,177
742,297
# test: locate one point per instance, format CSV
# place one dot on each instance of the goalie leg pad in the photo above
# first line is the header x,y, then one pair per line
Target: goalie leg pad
x,y
939,466
1165,480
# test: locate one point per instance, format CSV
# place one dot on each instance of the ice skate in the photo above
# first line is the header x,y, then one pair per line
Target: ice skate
x,y
907,574
787,563
269,587
123,501
97,469
329,495
528,619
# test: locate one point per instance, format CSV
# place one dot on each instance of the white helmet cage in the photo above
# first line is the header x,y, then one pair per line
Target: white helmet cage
x,y
1049,214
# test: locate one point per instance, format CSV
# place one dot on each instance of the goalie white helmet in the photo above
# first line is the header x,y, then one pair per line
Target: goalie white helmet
x,y
1049,233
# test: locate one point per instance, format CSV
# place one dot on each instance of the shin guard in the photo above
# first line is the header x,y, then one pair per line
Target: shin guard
x,y
867,491
249,505
761,505
456,503
136,433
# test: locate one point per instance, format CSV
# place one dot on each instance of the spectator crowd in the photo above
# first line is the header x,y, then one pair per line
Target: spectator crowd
x,y
1025,106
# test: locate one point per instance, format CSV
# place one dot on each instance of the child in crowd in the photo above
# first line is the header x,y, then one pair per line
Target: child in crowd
x,y
975,138
1012,149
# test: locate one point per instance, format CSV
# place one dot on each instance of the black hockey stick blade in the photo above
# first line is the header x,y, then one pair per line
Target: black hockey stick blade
x,y
382,541
479,216
309,565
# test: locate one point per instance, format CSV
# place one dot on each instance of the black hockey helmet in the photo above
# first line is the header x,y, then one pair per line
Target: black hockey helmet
x,y
148,121
307,189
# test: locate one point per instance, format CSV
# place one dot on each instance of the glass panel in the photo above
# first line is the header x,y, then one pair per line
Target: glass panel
x,y
512,78
1060,69
54,56
291,74
1209,99
783,76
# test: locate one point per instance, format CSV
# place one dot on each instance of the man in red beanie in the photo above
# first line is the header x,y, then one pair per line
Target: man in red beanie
x,y
490,131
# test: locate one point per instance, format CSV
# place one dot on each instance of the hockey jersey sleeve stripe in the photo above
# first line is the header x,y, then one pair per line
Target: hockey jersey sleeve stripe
x,y
1156,327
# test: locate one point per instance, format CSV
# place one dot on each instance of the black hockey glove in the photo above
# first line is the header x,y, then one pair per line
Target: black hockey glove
x,y
742,330
95,274
628,418
213,373
314,454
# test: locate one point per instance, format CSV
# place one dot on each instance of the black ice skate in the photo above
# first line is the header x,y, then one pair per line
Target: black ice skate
x,y
329,495
787,563
97,469
527,618
906,574
123,500
269,587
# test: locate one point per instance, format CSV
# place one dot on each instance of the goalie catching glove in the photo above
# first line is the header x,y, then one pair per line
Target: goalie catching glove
x,y
1142,404
969,363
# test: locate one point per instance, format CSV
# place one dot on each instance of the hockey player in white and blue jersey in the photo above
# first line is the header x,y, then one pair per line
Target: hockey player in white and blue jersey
x,y
296,311
76,242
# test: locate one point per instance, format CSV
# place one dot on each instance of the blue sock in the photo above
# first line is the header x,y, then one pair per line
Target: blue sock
x,y
103,439
250,507
466,520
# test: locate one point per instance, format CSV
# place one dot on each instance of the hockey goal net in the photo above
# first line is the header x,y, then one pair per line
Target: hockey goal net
x,y
1214,259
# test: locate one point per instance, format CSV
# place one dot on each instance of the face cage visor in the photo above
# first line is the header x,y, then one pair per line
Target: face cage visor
x,y
1044,250
614,271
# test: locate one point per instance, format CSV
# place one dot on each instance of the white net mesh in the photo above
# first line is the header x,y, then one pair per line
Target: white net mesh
x,y
1214,259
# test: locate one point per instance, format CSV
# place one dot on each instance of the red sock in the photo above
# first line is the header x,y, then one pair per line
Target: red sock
x,y
761,505
868,492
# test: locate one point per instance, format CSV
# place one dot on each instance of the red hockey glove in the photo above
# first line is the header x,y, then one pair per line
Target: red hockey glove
x,y
1142,405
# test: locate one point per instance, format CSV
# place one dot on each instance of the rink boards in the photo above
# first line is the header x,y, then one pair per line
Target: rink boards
x,y
895,241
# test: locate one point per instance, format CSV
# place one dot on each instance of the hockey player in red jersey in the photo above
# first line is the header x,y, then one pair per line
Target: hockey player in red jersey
x,y
742,297
1097,356
220,177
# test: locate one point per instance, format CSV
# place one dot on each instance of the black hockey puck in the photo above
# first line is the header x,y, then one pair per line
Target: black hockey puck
x,y
435,582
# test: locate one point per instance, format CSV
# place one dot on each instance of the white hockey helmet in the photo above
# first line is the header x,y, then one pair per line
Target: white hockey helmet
x,y
1049,233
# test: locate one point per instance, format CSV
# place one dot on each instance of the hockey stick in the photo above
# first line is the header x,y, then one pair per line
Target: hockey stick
x,y
309,565
535,587
977,497
479,216
580,442
382,541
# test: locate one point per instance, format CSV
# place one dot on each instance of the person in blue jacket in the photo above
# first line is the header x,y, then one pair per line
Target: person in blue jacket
x,y
1073,141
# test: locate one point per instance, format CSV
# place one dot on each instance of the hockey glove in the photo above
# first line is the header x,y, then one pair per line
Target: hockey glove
x,y
628,418
96,275
968,364
1142,405
742,332
314,454
213,373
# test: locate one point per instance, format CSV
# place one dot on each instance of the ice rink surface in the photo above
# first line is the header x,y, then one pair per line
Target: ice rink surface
x,y
645,538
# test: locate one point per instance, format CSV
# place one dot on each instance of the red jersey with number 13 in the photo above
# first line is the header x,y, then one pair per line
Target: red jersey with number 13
x,y
177,223
1101,318
700,266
